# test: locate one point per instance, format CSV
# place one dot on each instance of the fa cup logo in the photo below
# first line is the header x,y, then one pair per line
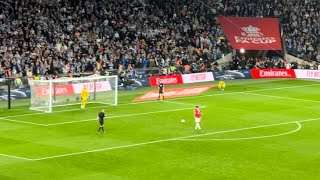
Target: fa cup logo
x,y
251,31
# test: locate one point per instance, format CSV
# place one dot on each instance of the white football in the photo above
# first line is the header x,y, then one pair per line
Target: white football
x,y
183,121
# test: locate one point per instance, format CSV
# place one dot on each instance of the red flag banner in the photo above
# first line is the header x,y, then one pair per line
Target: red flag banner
x,y
252,33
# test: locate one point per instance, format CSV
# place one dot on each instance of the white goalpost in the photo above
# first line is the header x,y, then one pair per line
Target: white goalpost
x,y
46,94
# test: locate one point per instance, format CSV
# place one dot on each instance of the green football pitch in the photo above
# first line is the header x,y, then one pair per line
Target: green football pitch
x,y
255,129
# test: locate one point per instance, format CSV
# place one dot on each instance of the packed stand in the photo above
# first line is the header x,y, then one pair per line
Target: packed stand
x,y
71,37
245,62
54,38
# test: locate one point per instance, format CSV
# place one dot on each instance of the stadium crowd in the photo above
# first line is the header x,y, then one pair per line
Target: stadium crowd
x,y
55,37
244,62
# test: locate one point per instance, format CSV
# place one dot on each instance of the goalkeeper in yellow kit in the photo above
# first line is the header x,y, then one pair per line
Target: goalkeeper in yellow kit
x,y
221,85
84,97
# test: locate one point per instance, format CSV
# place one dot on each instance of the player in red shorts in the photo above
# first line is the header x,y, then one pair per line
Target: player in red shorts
x,y
197,117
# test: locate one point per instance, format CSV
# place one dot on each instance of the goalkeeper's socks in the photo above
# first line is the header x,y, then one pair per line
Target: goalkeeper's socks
x,y
102,129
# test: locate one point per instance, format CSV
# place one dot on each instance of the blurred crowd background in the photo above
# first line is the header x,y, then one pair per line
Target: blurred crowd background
x,y
54,38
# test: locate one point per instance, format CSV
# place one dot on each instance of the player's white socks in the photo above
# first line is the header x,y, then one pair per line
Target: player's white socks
x,y
197,126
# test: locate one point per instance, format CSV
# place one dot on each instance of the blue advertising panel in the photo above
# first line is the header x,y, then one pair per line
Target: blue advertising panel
x,y
15,93
142,82
232,74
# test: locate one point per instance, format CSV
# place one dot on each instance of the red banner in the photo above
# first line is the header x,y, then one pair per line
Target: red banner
x,y
166,80
252,33
273,73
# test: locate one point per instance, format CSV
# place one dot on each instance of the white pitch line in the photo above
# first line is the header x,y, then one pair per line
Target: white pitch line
x,y
170,139
182,103
24,122
16,157
239,92
126,115
247,138
69,122
269,89
66,110
187,97
288,87
76,109
282,97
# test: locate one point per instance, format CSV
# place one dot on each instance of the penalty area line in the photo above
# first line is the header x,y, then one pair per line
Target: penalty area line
x,y
85,120
120,116
23,122
187,97
16,157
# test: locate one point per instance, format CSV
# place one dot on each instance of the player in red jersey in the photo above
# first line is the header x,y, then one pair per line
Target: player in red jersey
x,y
197,117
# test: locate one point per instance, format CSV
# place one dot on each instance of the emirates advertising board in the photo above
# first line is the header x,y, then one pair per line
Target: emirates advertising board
x,y
167,80
273,73
252,33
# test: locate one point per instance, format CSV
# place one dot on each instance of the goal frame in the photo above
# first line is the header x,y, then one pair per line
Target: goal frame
x,y
52,82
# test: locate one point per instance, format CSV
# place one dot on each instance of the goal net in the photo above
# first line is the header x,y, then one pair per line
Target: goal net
x,y
46,94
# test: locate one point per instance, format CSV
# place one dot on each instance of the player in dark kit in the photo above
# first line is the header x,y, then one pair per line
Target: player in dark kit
x,y
101,117
161,89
